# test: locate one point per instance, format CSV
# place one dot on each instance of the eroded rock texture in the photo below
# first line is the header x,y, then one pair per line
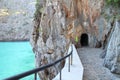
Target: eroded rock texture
x,y
49,39
112,58
58,23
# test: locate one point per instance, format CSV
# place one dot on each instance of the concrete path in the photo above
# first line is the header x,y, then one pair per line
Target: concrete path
x,y
93,65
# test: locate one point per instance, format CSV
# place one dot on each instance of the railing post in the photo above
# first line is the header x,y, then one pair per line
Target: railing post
x,y
60,74
71,59
69,64
35,76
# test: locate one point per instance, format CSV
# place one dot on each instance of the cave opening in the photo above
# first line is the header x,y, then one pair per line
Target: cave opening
x,y
84,39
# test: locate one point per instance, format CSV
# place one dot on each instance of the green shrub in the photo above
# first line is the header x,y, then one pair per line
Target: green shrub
x,y
115,3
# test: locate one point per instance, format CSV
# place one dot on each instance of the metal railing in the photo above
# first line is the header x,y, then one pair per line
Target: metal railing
x,y
34,71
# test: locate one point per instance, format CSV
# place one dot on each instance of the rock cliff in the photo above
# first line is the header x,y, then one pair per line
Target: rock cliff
x,y
49,38
111,42
58,23
112,58
16,18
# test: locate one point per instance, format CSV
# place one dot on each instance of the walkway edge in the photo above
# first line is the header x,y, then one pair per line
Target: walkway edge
x,y
76,70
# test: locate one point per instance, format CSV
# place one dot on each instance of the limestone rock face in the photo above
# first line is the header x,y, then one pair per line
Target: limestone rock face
x,y
49,39
16,18
112,58
57,23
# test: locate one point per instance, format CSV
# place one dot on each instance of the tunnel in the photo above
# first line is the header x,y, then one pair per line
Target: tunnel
x,y
84,39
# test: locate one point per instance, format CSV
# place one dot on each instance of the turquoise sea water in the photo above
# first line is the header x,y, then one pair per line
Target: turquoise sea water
x,y
15,58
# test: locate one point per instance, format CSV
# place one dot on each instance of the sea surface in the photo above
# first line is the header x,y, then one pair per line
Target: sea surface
x,y
15,58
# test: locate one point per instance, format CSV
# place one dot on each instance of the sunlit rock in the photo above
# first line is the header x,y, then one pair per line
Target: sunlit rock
x,y
16,19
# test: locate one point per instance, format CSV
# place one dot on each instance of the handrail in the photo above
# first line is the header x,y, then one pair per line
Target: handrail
x,y
34,71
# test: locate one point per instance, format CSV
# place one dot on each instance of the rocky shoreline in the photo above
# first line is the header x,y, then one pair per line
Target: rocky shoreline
x,y
25,40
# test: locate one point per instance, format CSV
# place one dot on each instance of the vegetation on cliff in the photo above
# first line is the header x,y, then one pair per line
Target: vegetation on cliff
x,y
111,10
113,2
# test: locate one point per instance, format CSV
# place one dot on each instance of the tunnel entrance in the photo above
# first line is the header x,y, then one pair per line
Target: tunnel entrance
x,y
84,40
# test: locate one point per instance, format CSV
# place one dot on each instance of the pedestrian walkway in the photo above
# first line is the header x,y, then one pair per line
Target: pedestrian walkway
x,y
93,65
